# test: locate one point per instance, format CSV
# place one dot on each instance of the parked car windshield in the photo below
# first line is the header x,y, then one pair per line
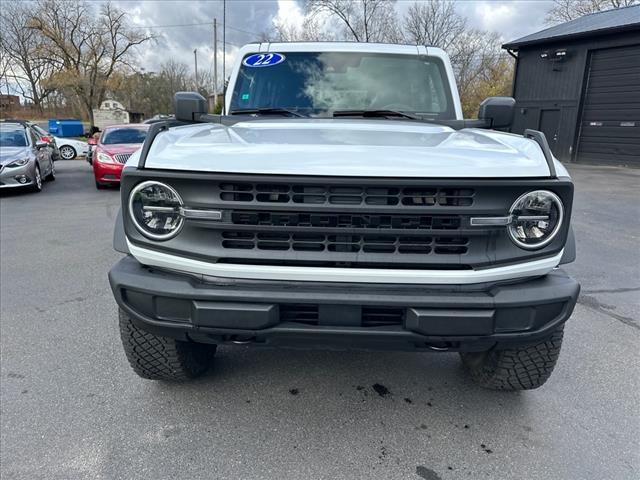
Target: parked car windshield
x,y
123,135
13,137
322,82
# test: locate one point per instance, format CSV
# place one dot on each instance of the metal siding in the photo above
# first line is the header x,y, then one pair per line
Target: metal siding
x,y
610,125
539,86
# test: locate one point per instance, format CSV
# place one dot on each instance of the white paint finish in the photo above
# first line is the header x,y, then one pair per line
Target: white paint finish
x,y
347,147
343,47
79,146
349,275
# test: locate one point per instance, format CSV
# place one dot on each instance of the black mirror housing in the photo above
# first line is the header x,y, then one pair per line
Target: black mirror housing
x,y
189,106
40,144
498,112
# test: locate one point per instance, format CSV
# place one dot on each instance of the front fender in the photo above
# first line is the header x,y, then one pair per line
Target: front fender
x,y
119,238
569,254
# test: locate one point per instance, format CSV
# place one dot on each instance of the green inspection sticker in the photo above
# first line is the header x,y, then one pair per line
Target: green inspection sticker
x,y
245,96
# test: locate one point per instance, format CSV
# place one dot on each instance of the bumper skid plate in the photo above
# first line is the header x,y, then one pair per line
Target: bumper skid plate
x,y
370,316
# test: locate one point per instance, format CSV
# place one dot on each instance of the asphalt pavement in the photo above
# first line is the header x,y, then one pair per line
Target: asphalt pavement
x,y
71,408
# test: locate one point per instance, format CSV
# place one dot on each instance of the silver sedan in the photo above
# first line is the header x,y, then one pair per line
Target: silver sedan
x,y
24,160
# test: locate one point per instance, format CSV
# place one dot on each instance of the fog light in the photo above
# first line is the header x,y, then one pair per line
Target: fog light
x,y
22,179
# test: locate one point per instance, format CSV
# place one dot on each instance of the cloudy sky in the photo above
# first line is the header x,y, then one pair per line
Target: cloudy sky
x,y
182,26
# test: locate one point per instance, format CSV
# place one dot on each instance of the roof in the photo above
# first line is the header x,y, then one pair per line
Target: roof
x,y
609,21
11,126
142,126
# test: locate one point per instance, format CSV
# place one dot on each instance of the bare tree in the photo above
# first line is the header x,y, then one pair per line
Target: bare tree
x,y
566,10
435,23
26,64
362,20
481,69
91,46
311,30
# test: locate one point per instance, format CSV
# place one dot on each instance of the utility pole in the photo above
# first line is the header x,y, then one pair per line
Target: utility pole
x,y
215,58
224,44
195,56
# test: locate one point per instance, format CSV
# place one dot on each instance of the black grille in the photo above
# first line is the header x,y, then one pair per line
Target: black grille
x,y
370,316
381,316
319,242
301,313
346,221
278,193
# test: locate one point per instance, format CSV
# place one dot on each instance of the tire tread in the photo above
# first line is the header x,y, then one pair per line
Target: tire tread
x,y
520,368
162,358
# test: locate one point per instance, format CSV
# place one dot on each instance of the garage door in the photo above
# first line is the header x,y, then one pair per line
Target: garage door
x,y
610,125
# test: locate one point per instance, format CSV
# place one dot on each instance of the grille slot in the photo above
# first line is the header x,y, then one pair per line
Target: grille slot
x,y
347,221
345,195
345,243
301,313
381,316
122,157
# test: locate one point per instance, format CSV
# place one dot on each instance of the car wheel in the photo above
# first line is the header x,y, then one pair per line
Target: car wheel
x,y
52,174
162,358
523,367
37,181
67,152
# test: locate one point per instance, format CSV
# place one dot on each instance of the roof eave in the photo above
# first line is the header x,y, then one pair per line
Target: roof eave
x,y
515,45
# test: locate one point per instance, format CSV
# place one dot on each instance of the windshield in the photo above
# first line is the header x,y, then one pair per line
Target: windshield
x,y
318,83
123,135
14,137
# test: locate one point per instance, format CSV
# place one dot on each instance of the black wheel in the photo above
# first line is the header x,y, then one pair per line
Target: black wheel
x,y
163,358
68,152
52,174
37,181
520,368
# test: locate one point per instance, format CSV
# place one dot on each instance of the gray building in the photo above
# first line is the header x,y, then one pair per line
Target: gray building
x,y
579,83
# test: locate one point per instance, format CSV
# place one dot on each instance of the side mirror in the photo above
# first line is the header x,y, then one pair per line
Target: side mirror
x,y
41,144
189,106
497,111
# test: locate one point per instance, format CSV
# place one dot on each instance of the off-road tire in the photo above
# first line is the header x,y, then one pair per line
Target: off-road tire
x,y
520,368
163,358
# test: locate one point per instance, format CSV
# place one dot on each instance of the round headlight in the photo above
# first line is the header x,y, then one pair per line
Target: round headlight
x,y
536,217
155,210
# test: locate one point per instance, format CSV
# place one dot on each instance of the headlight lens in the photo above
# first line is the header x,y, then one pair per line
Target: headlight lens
x,y
104,158
536,218
155,210
18,163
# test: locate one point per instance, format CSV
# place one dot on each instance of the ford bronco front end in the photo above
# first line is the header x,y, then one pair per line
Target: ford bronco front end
x,y
341,201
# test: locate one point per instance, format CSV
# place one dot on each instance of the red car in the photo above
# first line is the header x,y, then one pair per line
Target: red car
x,y
115,146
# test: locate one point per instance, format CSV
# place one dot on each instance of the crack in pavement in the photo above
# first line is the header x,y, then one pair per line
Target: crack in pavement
x,y
594,304
614,290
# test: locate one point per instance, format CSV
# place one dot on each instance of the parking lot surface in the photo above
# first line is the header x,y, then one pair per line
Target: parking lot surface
x,y
71,408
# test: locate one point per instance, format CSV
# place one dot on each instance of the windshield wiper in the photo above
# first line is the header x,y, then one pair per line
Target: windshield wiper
x,y
267,111
374,113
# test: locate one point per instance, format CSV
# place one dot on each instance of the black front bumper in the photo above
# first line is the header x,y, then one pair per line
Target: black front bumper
x,y
353,316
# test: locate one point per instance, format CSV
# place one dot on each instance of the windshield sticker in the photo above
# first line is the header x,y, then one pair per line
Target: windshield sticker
x,y
245,96
263,60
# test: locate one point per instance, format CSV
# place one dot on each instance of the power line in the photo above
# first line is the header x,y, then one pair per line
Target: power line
x,y
173,25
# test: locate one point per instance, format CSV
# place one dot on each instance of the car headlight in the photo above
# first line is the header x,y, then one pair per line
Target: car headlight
x,y
536,218
104,158
155,210
18,163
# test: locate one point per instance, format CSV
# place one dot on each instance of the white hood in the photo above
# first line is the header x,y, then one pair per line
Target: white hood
x,y
346,147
